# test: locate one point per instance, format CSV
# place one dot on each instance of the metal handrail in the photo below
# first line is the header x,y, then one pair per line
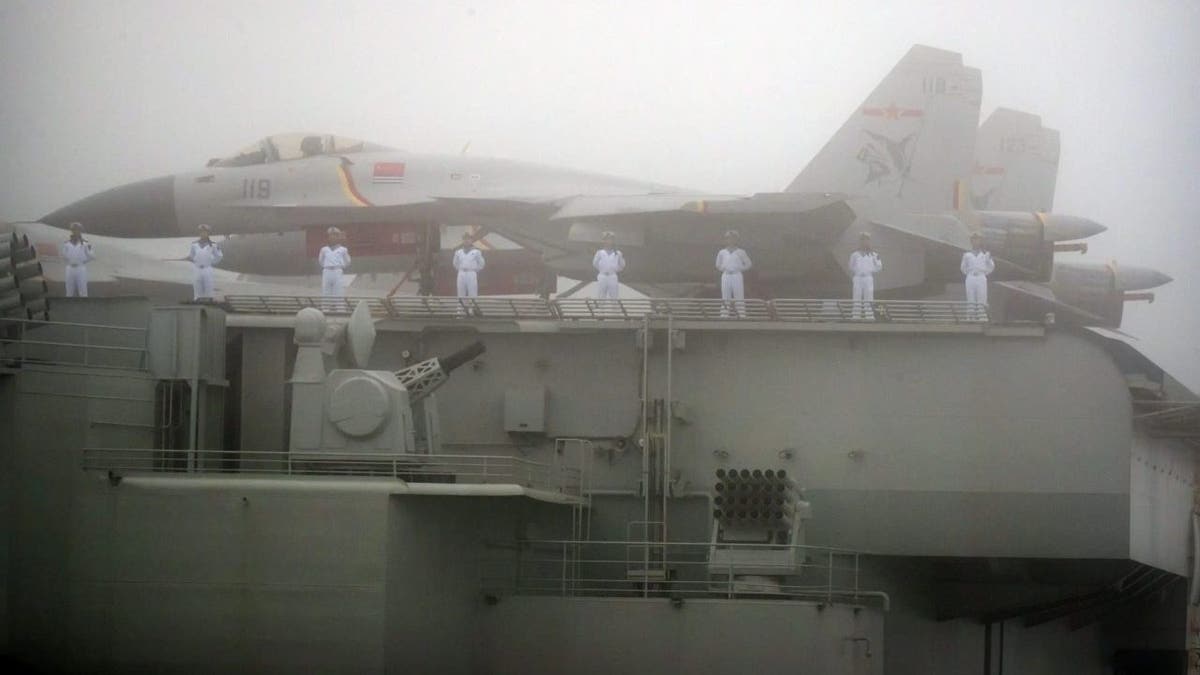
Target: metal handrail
x,y
290,304
591,308
805,310
446,307
1168,419
468,469
15,344
600,568
41,322
892,311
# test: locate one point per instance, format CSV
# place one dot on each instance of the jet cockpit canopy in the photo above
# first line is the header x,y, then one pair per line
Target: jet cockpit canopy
x,y
287,147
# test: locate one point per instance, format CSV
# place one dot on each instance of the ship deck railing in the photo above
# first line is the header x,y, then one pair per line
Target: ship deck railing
x,y
1168,419
806,310
60,343
677,570
410,468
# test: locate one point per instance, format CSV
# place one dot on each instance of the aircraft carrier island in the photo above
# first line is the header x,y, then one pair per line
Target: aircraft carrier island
x,y
427,485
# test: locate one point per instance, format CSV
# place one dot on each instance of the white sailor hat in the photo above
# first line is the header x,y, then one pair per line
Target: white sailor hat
x,y
864,235
76,227
607,235
732,233
333,231
203,227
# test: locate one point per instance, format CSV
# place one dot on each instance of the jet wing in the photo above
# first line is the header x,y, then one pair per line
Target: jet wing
x,y
313,215
944,232
609,207
948,235
1041,294
818,217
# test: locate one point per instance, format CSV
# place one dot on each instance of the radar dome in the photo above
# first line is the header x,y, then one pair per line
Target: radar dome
x,y
310,325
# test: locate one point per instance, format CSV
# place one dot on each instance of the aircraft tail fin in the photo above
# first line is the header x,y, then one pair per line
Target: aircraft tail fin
x,y
1016,163
911,139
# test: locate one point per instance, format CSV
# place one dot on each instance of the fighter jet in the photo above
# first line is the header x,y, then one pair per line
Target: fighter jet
x,y
891,169
1016,169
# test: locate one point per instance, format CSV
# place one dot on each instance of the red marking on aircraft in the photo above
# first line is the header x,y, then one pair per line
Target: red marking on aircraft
x,y
369,240
508,272
892,112
46,249
388,172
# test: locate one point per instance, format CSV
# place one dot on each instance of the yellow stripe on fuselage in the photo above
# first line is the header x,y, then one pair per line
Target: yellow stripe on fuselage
x,y
348,188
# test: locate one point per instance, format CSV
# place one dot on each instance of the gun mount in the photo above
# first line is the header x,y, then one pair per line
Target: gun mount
x,y
354,410
421,379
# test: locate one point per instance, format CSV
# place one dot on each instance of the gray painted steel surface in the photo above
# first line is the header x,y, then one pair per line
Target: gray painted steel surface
x,y
973,461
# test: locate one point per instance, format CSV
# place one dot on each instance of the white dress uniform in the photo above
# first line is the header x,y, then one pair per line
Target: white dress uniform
x,y
975,268
608,264
76,256
732,263
203,257
863,267
333,260
468,262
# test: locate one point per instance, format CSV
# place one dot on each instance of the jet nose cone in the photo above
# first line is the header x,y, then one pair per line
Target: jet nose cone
x,y
145,209
1067,228
1140,278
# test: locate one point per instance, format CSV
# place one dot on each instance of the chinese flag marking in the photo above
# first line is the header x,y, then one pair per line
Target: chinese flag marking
x,y
388,172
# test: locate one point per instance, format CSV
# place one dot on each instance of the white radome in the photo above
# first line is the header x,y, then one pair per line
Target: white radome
x,y
310,325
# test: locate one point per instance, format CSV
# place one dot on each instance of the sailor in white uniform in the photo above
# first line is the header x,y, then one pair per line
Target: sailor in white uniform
x,y
333,259
204,253
864,264
732,261
608,262
76,253
976,265
468,260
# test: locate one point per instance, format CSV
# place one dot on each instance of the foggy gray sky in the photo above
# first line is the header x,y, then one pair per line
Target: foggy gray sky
x,y
704,95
